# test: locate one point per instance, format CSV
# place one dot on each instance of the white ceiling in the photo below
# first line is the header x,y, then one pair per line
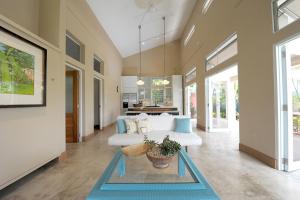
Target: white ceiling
x,y
120,19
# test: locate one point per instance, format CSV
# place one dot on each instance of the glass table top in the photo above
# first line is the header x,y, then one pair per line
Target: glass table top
x,y
140,170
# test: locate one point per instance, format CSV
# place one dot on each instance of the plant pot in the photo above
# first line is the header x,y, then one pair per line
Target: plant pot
x,y
158,160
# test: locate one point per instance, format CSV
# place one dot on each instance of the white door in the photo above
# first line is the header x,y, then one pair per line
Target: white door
x,y
288,90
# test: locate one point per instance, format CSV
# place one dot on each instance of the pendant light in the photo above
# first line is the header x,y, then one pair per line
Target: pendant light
x,y
165,81
140,81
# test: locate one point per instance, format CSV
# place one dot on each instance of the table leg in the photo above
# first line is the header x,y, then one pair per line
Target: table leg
x,y
181,166
122,166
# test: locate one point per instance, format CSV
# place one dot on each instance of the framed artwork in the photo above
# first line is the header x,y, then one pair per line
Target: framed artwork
x,y
22,71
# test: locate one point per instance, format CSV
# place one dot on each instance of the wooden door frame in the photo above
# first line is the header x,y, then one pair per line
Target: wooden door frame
x,y
80,100
75,76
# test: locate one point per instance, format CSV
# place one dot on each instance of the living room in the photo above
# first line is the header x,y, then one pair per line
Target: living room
x,y
56,141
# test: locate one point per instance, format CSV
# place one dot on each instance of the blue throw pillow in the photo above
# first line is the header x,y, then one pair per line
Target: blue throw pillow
x,y
121,126
183,125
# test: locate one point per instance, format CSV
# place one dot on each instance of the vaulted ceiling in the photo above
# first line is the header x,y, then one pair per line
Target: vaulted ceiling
x,y
120,19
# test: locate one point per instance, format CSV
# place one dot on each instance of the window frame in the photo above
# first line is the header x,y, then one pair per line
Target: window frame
x,y
275,9
192,71
100,61
76,41
220,48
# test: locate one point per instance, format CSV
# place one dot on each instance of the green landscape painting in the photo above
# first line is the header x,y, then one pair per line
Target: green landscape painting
x,y
16,71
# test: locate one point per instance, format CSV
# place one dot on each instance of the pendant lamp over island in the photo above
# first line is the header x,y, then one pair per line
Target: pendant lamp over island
x,y
140,81
165,81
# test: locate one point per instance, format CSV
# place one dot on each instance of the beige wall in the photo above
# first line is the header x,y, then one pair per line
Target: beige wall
x,y
81,22
30,137
15,11
33,136
152,61
252,20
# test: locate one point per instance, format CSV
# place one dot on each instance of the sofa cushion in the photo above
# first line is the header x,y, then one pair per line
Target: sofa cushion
x,y
182,125
131,126
164,123
121,126
143,125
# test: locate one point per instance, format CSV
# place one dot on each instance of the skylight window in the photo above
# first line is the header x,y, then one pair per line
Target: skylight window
x,y
206,5
190,34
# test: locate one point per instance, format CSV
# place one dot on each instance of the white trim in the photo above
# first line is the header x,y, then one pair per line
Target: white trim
x,y
101,93
228,41
69,35
101,62
80,114
283,143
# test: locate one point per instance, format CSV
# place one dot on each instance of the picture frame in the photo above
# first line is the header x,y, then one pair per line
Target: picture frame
x,y
23,71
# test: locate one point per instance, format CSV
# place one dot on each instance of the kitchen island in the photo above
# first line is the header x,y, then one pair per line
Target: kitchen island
x,y
152,110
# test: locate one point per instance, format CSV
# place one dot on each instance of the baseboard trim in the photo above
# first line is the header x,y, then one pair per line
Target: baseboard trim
x,y
88,137
258,155
202,128
63,156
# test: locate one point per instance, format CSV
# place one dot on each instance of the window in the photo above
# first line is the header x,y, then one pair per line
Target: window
x,y
285,12
206,5
191,75
154,92
98,65
73,48
190,34
225,51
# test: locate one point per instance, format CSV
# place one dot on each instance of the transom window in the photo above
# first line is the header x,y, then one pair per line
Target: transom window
x,y
74,48
285,12
226,50
98,65
191,75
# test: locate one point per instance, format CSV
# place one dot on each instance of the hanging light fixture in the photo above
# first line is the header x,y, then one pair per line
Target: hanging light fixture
x,y
165,81
140,81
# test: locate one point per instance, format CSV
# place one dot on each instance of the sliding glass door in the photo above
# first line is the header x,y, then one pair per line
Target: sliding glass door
x,y
288,77
222,101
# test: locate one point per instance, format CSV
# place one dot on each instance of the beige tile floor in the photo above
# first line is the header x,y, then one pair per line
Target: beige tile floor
x,y
234,175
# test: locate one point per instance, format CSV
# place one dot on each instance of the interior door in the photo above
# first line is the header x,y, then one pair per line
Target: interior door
x,y
72,86
97,103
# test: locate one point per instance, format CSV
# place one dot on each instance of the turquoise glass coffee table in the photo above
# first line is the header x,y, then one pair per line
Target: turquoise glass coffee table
x,y
137,179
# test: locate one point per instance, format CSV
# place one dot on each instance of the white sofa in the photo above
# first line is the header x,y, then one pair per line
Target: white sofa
x,y
161,126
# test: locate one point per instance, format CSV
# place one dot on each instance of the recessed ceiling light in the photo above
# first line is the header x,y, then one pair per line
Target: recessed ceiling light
x,y
143,43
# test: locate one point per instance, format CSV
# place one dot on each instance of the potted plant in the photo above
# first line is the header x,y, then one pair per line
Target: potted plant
x,y
161,154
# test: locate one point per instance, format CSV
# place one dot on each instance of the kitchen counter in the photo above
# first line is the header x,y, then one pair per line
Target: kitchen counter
x,y
152,110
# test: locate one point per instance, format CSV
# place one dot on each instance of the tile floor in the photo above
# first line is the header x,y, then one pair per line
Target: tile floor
x,y
234,175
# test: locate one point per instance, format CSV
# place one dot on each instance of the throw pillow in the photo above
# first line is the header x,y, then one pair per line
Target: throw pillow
x,y
183,125
131,126
121,125
143,125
